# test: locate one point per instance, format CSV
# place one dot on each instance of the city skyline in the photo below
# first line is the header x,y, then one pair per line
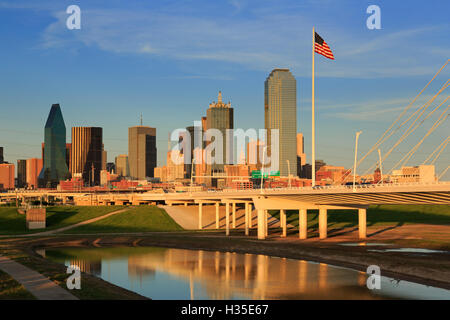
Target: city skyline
x,y
366,97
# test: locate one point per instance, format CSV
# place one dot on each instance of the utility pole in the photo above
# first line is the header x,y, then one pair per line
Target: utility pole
x,y
354,165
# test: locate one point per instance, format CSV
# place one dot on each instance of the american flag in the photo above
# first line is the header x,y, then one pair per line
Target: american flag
x,y
321,47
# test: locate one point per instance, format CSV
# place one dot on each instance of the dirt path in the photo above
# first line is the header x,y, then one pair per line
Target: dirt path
x,y
35,283
82,223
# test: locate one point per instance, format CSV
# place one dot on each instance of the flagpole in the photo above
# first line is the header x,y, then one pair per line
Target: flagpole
x,y
313,125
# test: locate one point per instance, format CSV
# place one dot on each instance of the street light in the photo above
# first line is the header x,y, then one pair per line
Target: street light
x,y
289,171
354,165
262,167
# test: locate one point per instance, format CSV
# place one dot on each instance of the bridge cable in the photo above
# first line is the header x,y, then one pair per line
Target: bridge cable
x,y
414,149
380,140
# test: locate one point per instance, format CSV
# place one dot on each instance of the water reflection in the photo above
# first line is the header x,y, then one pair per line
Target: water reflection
x,y
161,273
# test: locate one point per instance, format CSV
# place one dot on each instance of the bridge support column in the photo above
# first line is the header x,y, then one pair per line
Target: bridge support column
x,y
261,224
323,223
227,218
302,224
283,223
266,224
217,215
200,215
246,217
362,221
234,215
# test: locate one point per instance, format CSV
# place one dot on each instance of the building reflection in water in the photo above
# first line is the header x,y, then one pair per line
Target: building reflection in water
x,y
229,275
91,267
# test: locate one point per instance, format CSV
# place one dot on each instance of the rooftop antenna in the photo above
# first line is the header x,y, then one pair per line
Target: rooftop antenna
x,y
141,119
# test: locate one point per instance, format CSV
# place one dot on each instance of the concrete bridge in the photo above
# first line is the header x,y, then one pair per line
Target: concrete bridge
x,y
301,199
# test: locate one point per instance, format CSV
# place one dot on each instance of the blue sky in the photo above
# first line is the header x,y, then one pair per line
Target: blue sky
x,y
168,59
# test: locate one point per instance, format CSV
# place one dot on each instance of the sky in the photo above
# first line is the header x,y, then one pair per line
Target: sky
x,y
167,60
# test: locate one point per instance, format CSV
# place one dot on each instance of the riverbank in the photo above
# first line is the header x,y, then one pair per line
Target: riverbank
x,y
431,269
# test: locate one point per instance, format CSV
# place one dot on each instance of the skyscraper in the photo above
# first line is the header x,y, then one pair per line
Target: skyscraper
x,y
301,156
7,171
21,173
86,154
280,112
122,166
141,151
220,116
55,167
34,166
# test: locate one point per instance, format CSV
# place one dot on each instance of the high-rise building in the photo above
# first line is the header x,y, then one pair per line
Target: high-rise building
x,y
54,168
111,167
21,173
301,156
141,152
220,116
280,112
254,154
86,154
1,155
122,165
34,166
7,171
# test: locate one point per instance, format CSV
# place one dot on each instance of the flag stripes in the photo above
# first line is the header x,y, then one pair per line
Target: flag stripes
x,y
321,47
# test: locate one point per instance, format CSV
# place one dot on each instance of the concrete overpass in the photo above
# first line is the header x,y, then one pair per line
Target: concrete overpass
x,y
301,199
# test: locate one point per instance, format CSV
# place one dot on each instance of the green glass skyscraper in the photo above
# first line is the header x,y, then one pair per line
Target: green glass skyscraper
x,y
54,168
280,112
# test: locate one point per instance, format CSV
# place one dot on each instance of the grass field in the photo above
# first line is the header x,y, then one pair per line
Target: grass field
x,y
137,219
11,222
379,215
10,289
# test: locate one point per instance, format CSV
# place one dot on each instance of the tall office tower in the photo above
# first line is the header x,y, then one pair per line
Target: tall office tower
x,y
220,116
7,173
122,165
21,173
55,167
196,138
34,166
301,156
68,154
86,154
1,155
104,157
280,112
141,152
254,154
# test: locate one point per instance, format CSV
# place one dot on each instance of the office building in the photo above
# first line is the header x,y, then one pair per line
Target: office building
x,y
220,116
21,173
54,167
280,112
122,166
7,173
86,154
34,166
301,156
141,152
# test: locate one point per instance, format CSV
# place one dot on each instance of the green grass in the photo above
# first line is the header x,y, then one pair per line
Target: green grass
x,y
379,215
137,219
10,289
11,222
